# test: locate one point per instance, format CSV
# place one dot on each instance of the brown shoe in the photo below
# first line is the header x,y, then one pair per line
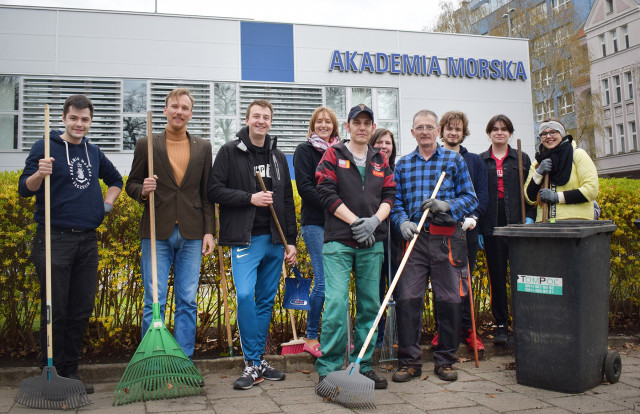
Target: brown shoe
x,y
446,373
406,373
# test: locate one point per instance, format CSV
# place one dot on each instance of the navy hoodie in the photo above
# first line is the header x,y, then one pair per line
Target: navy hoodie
x,y
76,196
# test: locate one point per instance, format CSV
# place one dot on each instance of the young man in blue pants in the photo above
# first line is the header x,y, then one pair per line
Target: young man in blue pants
x,y
247,226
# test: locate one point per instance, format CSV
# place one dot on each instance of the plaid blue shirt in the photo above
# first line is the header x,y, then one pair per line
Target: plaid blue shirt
x,y
416,178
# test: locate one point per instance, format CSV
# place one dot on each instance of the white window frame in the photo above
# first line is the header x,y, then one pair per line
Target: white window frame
x,y
608,146
606,98
634,135
614,40
629,79
625,35
618,88
620,130
603,45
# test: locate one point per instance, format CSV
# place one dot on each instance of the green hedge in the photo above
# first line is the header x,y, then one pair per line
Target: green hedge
x,y
115,324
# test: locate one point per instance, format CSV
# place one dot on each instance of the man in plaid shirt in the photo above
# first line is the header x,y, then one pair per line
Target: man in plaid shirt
x,y
440,251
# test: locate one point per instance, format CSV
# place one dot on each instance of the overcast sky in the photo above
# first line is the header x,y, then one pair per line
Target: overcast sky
x,y
378,14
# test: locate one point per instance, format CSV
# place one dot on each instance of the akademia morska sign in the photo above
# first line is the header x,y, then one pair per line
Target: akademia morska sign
x,y
420,65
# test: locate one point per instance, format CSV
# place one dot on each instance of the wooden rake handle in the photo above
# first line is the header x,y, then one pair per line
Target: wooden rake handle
x,y
520,166
152,211
545,206
398,272
286,249
223,282
47,240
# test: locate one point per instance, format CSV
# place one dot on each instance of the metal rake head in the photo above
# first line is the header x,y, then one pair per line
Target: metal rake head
x,y
348,388
49,391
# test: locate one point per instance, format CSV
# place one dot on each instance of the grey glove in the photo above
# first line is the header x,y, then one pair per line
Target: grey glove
x,y
548,196
408,229
371,240
435,205
363,228
107,207
544,167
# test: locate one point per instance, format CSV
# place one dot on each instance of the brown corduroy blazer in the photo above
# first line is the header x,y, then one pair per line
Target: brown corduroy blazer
x,y
186,204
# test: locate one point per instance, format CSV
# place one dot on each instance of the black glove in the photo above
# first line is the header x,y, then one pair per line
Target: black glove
x,y
435,205
548,196
408,229
544,167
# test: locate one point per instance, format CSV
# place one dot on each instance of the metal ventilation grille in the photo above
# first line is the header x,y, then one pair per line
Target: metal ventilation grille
x,y
293,107
200,124
106,128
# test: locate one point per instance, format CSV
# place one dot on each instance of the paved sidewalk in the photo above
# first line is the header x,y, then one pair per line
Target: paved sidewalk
x,y
491,388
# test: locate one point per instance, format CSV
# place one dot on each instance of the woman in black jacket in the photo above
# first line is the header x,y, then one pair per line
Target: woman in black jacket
x,y
504,207
323,132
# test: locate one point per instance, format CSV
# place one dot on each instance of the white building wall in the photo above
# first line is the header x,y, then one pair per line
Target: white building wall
x,y
59,42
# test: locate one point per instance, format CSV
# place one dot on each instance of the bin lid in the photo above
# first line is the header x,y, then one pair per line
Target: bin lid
x,y
559,229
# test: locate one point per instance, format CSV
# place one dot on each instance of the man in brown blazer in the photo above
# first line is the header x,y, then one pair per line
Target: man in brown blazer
x,y
184,215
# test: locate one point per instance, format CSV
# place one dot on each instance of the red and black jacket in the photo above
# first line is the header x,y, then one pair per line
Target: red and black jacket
x,y
340,182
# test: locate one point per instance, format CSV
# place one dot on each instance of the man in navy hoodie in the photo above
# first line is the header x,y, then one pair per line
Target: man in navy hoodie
x,y
77,209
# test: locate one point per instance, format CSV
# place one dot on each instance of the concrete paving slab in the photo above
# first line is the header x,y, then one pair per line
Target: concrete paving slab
x,y
186,404
502,402
320,407
585,404
466,410
476,387
438,401
249,405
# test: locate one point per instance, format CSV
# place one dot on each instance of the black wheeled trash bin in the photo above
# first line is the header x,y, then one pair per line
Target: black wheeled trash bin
x,y
560,303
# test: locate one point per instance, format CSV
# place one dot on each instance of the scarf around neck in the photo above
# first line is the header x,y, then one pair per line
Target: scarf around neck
x,y
561,160
320,144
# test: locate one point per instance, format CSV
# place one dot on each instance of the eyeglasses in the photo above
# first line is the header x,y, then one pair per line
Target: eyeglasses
x,y
422,128
544,134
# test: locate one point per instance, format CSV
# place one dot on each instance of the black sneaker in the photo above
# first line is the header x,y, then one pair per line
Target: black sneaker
x,y
446,373
251,376
380,382
406,373
270,373
88,388
501,335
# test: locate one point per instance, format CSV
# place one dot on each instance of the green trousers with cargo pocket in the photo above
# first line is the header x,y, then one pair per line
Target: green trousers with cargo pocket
x,y
339,260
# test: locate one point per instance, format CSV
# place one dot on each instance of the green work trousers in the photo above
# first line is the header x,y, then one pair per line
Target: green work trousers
x,y
338,261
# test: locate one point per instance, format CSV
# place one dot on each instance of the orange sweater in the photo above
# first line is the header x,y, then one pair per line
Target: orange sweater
x,y
179,151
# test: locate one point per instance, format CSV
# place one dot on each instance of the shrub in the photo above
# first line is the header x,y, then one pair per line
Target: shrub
x,y
115,323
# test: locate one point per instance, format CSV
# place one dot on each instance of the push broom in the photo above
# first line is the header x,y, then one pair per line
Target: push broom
x,y
159,368
349,387
223,282
50,391
296,345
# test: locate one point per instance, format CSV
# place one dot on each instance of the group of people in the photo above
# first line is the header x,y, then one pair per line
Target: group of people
x,y
358,206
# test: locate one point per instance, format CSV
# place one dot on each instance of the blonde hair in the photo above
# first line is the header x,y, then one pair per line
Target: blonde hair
x,y
176,93
332,116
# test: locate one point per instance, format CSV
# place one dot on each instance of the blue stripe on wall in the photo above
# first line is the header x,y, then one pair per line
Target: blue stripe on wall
x,y
290,162
267,51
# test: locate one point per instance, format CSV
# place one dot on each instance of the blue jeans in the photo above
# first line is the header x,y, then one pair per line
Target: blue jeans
x,y
186,256
256,274
314,240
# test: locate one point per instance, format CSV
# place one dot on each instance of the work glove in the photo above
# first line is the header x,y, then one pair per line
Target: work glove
x,y
408,229
371,240
544,167
481,241
435,205
529,220
468,223
363,228
107,207
548,196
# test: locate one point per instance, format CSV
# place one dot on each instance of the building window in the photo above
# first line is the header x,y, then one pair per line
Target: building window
x,y
9,100
634,136
565,104
621,137
562,34
134,108
544,110
629,80
603,46
605,92
225,113
541,44
538,13
564,70
625,35
614,40
557,4
609,143
618,90
609,6
542,77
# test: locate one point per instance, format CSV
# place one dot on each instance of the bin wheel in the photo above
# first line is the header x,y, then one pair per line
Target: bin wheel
x,y
612,367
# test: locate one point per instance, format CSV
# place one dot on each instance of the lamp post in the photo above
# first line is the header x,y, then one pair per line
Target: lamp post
x,y
507,15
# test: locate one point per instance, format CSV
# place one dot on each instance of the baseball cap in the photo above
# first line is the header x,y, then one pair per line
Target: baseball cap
x,y
356,110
